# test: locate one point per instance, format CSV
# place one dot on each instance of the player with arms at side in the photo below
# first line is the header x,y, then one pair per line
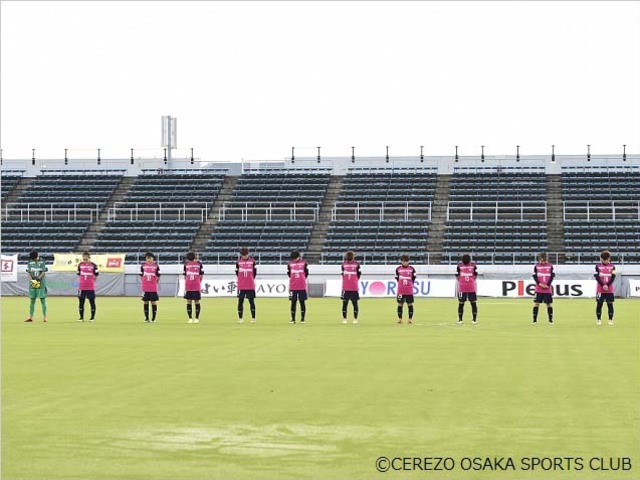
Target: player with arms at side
x,y
543,275
193,273
350,276
246,272
298,271
87,275
405,276
36,271
605,275
150,275
466,272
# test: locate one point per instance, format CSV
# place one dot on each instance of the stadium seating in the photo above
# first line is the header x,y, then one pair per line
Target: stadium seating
x,y
270,213
8,184
54,212
602,211
46,238
381,215
162,213
497,217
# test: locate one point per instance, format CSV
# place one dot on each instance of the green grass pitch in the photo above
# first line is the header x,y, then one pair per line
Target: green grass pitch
x,y
122,399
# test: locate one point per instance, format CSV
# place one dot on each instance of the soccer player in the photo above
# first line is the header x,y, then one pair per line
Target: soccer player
x,y
150,275
298,271
605,275
246,272
405,276
193,273
466,272
543,276
87,274
350,276
36,271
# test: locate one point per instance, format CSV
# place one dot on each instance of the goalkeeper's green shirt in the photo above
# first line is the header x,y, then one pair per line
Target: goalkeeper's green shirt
x,y
36,269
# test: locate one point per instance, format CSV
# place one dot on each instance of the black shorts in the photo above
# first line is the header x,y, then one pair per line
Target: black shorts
x,y
405,298
543,298
605,297
297,295
195,295
350,295
87,294
150,297
242,294
464,296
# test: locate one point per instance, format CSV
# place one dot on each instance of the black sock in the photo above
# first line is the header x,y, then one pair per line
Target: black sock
x,y
240,307
535,313
356,310
303,310
345,303
410,307
93,308
252,307
197,310
189,310
460,311
474,310
610,310
81,308
599,310
154,312
550,312
400,311
146,311
293,311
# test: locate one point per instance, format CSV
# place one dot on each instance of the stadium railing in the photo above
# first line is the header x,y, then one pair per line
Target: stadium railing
x,y
158,211
349,210
46,212
497,210
601,209
268,210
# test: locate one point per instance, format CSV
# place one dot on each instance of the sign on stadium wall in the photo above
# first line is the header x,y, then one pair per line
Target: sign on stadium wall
x,y
9,268
389,288
217,287
107,263
634,286
526,288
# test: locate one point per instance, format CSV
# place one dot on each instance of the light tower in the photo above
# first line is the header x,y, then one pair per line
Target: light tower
x,y
169,136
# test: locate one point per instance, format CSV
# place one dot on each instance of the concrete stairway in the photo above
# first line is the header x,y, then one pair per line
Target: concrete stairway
x,y
206,229
437,227
18,190
555,219
118,195
319,232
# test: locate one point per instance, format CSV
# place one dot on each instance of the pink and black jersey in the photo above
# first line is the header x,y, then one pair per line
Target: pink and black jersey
x,y
193,272
405,277
350,276
87,273
246,272
467,277
150,273
543,273
298,271
605,275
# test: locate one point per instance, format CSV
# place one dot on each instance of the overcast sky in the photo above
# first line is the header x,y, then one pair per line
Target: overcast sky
x,y
251,79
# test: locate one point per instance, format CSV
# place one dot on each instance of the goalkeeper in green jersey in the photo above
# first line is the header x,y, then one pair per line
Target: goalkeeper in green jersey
x,y
36,271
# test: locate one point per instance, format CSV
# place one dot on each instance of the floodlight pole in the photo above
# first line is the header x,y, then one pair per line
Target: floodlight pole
x,y
517,153
624,153
588,153
421,153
